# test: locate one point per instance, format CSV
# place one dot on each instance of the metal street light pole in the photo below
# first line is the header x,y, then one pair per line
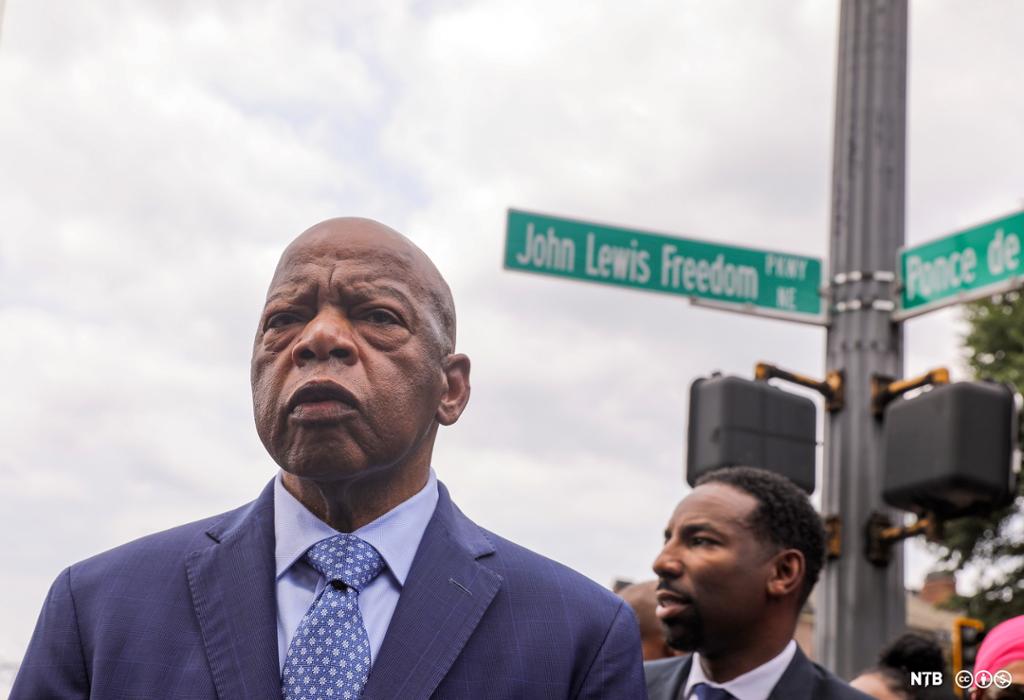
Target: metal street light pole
x,y
861,606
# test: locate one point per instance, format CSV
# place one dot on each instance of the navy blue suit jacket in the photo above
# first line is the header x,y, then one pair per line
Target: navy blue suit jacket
x,y
802,680
190,613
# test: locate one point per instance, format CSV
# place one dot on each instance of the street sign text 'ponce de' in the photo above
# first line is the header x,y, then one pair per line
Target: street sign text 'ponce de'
x,y
969,264
777,283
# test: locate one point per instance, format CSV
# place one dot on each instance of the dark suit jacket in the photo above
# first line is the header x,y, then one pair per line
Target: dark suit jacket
x,y
190,613
802,680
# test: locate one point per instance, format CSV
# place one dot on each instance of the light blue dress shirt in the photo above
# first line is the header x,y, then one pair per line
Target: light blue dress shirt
x,y
396,535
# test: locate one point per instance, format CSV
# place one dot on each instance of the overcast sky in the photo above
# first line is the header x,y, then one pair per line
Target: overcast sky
x,y
156,158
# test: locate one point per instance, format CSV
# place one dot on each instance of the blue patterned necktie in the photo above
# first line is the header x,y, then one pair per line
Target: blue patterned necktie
x,y
329,656
703,691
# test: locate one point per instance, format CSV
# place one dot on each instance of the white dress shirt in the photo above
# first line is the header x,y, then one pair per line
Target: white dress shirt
x,y
756,684
395,535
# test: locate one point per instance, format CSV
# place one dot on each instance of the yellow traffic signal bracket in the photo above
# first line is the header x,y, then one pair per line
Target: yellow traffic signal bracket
x,y
885,389
831,387
958,647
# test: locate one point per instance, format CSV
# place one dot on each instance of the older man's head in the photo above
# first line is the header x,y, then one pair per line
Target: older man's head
x,y
353,366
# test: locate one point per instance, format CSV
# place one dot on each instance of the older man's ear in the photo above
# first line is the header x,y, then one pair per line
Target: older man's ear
x,y
456,393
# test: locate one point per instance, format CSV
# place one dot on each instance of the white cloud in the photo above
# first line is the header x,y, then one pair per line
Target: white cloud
x,y
158,157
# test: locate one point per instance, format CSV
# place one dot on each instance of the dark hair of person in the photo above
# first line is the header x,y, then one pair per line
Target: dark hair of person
x,y
784,515
908,653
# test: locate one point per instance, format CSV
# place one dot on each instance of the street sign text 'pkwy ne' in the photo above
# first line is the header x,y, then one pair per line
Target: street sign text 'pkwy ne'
x,y
742,279
970,264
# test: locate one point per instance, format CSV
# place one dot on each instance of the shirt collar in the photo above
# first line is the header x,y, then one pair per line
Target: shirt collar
x,y
756,684
395,535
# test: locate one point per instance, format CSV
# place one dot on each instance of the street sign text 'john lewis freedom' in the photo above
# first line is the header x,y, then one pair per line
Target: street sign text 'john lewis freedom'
x,y
970,264
744,279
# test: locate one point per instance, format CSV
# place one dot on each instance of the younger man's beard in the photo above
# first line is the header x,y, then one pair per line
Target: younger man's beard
x,y
685,632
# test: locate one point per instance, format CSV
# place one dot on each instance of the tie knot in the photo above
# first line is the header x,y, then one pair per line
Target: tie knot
x,y
703,691
346,558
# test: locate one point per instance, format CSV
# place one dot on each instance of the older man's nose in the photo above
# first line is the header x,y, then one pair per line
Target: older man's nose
x,y
328,335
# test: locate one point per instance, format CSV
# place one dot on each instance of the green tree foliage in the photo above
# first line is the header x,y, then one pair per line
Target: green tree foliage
x,y
993,545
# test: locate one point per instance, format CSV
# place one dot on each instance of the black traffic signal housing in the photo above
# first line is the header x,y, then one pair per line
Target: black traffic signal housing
x,y
736,421
951,450
967,636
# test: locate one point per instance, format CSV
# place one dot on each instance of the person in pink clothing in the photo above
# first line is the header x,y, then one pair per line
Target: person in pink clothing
x,y
1002,653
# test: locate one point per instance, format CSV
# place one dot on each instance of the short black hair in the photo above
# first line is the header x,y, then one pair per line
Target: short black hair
x,y
784,515
910,652
914,651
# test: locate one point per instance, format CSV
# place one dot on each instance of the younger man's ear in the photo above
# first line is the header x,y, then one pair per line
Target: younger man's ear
x,y
787,573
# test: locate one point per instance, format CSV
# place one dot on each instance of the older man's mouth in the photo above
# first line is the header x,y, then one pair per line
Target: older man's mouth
x,y
321,401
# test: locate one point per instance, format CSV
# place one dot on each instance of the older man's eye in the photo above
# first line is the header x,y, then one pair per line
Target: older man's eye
x,y
282,319
381,317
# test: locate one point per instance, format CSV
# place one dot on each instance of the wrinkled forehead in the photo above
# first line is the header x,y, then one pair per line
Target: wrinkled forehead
x,y
351,267
361,251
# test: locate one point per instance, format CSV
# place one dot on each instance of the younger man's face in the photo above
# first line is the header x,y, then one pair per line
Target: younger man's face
x,y
713,571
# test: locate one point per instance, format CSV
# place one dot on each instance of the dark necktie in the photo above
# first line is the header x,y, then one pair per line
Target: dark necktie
x,y
329,656
703,691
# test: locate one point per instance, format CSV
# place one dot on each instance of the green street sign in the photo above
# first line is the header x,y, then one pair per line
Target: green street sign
x,y
967,265
752,281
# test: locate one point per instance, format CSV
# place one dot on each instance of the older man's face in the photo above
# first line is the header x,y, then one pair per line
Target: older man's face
x,y
347,363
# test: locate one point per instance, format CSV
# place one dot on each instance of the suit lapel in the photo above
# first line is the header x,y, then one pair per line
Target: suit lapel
x,y
798,681
232,585
668,684
446,594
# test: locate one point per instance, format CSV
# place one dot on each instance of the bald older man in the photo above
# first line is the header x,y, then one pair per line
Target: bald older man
x,y
352,575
